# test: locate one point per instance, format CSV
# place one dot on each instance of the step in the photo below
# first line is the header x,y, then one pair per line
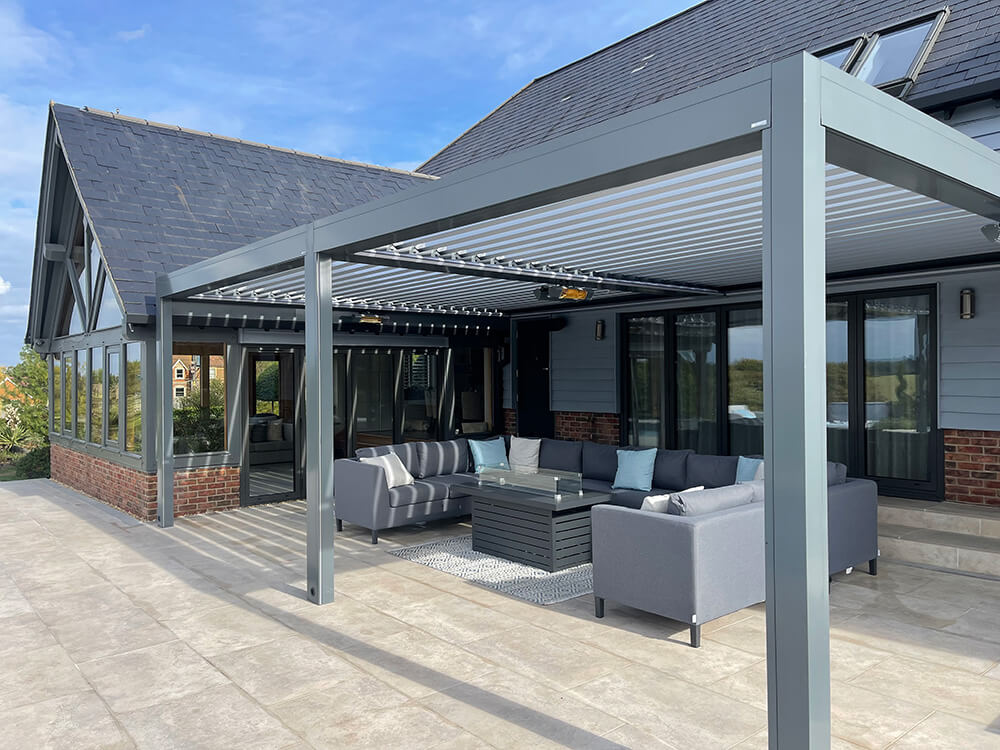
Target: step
x,y
947,550
960,518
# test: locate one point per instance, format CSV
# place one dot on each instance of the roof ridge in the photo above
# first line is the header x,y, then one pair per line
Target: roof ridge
x,y
178,128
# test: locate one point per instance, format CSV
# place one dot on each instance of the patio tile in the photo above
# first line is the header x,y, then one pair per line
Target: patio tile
x,y
73,721
679,713
92,601
455,619
411,726
215,718
975,697
511,713
963,591
345,624
23,633
546,657
179,599
38,675
126,681
315,714
944,730
977,623
759,742
283,669
628,736
227,628
384,590
871,719
12,601
108,632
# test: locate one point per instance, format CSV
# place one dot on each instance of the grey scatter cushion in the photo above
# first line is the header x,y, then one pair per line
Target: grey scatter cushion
x,y
560,455
442,458
523,452
711,471
600,461
407,453
670,469
378,450
835,473
710,500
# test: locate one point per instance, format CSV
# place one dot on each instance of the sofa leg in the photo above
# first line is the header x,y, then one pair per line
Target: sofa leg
x,y
873,566
696,636
374,536
598,606
340,525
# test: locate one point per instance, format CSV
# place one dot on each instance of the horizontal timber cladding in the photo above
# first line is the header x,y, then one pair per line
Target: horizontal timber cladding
x,y
550,541
584,370
134,492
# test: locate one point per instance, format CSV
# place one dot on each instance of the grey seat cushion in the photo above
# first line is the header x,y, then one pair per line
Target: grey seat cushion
x,y
670,470
456,483
561,455
600,461
633,498
421,491
836,473
407,453
596,485
442,458
710,471
706,501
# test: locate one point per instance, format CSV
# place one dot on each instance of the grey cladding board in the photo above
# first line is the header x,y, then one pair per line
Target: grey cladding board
x,y
712,41
162,198
583,371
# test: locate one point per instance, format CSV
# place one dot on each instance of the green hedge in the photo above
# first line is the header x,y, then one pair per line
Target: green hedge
x,y
34,464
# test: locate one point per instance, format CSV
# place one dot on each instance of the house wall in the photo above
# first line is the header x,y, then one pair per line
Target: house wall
x,y
583,372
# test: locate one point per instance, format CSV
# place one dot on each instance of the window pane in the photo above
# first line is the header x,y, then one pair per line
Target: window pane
x,y
133,398
69,358
374,401
746,383
109,315
81,394
898,408
199,398
57,411
271,449
420,398
892,54
339,404
645,381
114,378
96,395
473,390
697,378
837,412
838,56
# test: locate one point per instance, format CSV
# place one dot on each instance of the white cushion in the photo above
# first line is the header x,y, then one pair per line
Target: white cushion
x,y
659,503
524,453
396,474
274,429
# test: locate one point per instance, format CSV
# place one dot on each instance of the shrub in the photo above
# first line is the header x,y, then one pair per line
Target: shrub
x,y
34,464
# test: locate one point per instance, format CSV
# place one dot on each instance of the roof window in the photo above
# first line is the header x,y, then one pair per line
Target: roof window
x,y
844,55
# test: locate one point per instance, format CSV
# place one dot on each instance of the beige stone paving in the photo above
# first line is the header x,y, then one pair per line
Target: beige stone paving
x,y
117,634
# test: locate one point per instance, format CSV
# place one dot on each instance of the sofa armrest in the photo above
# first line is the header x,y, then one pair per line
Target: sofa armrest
x,y
682,567
852,522
360,491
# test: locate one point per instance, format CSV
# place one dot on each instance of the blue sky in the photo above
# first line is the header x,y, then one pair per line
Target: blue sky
x,y
386,82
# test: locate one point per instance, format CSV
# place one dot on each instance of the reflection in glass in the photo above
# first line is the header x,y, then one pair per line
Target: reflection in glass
x,y
837,57
57,413
374,402
473,390
273,396
645,381
133,398
697,378
114,379
97,395
898,415
199,388
340,404
746,382
69,359
837,378
81,394
892,54
420,398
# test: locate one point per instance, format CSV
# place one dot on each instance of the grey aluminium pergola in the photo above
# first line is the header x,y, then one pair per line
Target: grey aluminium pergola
x,y
800,115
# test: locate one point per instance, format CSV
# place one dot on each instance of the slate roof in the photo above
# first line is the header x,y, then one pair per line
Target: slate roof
x,y
161,197
717,39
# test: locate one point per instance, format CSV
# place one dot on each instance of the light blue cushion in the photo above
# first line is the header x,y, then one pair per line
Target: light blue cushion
x,y
489,454
746,469
635,470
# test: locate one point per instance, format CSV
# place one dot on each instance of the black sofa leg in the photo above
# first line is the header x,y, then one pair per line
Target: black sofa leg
x,y
374,536
598,606
873,566
696,636
340,525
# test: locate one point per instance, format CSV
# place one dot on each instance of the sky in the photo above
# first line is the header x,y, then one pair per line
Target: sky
x,y
385,82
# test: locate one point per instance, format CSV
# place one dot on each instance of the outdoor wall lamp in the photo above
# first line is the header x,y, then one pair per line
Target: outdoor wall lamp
x,y
967,310
599,330
991,232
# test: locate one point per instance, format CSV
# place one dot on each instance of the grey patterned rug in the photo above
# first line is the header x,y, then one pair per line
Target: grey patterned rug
x,y
456,556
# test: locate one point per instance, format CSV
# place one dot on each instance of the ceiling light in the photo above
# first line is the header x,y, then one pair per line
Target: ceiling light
x,y
991,232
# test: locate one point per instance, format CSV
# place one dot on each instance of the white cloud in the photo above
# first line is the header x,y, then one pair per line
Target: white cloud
x,y
23,46
4,285
131,36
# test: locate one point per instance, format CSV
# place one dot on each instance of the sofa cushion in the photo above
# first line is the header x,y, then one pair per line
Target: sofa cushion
x,y
596,485
835,473
561,455
757,486
393,470
630,498
445,457
407,453
523,452
749,469
710,471
661,503
376,450
709,500
455,484
635,470
600,461
670,469
489,454
421,491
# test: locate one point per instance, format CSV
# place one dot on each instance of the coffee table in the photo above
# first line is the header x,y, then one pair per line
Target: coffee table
x,y
543,529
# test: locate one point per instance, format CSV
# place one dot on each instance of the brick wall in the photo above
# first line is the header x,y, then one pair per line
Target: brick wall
x,y
510,421
579,425
972,466
134,491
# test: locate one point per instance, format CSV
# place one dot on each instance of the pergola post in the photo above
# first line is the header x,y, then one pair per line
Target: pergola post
x,y
319,400
165,413
794,268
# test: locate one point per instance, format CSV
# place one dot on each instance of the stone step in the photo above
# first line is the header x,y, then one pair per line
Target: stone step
x,y
959,518
947,550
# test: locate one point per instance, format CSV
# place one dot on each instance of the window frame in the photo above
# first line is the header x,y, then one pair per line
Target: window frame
x,y
855,45
899,86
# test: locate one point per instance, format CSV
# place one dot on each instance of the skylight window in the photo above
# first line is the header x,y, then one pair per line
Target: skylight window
x,y
843,56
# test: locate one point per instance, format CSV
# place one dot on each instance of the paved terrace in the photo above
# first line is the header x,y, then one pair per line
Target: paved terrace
x,y
117,634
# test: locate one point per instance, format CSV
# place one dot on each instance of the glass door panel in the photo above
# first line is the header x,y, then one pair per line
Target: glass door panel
x,y
746,382
420,398
340,404
697,373
374,401
838,417
646,423
271,448
898,374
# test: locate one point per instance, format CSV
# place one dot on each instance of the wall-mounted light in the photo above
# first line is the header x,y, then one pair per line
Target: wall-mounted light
x,y
599,330
967,309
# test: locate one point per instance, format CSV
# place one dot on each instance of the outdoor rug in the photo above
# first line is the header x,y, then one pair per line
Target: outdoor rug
x,y
456,556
